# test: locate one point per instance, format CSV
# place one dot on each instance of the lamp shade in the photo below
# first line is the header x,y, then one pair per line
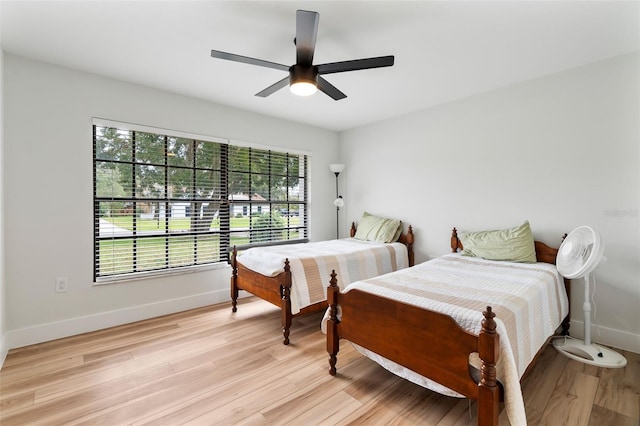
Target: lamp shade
x,y
338,202
336,168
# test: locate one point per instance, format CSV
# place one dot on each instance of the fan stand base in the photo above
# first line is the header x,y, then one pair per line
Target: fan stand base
x,y
590,354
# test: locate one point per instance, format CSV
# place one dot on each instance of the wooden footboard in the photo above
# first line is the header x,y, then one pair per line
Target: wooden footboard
x,y
277,289
404,339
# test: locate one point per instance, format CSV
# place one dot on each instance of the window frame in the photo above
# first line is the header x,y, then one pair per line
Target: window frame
x,y
225,212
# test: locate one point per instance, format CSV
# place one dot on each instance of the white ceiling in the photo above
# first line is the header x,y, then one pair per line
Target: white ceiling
x,y
443,50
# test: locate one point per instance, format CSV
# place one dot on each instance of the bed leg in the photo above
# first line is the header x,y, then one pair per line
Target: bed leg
x,y
286,312
234,281
285,293
234,300
333,353
333,341
488,391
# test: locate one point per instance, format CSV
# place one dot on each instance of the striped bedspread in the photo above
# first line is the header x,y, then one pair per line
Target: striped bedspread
x,y
529,301
311,264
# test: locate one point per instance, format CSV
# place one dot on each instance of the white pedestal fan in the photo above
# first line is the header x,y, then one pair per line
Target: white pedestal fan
x,y
579,254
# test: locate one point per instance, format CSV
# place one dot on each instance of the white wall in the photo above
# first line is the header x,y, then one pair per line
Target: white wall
x,y
559,151
48,196
3,303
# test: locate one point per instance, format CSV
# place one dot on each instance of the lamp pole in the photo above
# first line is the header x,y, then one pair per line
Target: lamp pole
x,y
338,197
338,202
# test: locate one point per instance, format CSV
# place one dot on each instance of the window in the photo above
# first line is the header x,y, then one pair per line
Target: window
x,y
163,201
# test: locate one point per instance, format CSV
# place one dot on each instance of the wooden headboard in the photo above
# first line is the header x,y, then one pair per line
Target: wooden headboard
x,y
544,253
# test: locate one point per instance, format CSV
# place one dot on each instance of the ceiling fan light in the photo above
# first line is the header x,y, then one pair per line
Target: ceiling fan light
x,y
303,80
303,88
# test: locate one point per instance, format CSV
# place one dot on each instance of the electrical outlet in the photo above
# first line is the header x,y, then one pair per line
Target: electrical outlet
x,y
61,284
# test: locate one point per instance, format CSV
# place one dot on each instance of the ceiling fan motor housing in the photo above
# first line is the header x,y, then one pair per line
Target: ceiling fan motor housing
x,y
303,73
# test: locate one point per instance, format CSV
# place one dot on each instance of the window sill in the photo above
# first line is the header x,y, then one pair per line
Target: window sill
x,y
159,274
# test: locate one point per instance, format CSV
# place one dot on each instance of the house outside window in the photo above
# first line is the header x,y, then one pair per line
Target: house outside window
x,y
167,201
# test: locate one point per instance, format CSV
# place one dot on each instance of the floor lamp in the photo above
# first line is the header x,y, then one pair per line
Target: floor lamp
x,y
338,202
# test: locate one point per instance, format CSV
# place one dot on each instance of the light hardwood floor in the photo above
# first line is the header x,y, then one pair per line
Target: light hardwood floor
x,y
209,366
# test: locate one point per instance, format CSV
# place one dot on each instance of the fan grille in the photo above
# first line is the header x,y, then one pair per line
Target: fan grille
x,y
580,252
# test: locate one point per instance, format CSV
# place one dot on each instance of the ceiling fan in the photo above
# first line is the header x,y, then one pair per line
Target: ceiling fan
x,y
305,78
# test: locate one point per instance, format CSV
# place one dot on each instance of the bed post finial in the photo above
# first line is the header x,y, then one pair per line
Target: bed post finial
x,y
352,231
410,236
455,242
410,240
489,393
333,341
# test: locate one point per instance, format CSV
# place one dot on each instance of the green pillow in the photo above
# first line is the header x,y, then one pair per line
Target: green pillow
x,y
373,228
515,244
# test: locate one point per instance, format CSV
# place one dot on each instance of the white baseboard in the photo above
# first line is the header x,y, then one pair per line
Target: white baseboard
x,y
608,336
73,326
3,350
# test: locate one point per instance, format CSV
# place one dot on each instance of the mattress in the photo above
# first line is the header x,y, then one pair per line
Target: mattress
x,y
311,264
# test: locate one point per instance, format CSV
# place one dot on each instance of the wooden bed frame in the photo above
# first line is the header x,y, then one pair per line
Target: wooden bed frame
x,y
407,341
277,289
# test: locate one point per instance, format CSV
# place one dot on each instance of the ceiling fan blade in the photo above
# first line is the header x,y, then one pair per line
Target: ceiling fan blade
x,y
356,64
273,88
306,34
247,60
330,89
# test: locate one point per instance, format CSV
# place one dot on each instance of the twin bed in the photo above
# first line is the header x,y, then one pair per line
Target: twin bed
x,y
424,324
294,277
